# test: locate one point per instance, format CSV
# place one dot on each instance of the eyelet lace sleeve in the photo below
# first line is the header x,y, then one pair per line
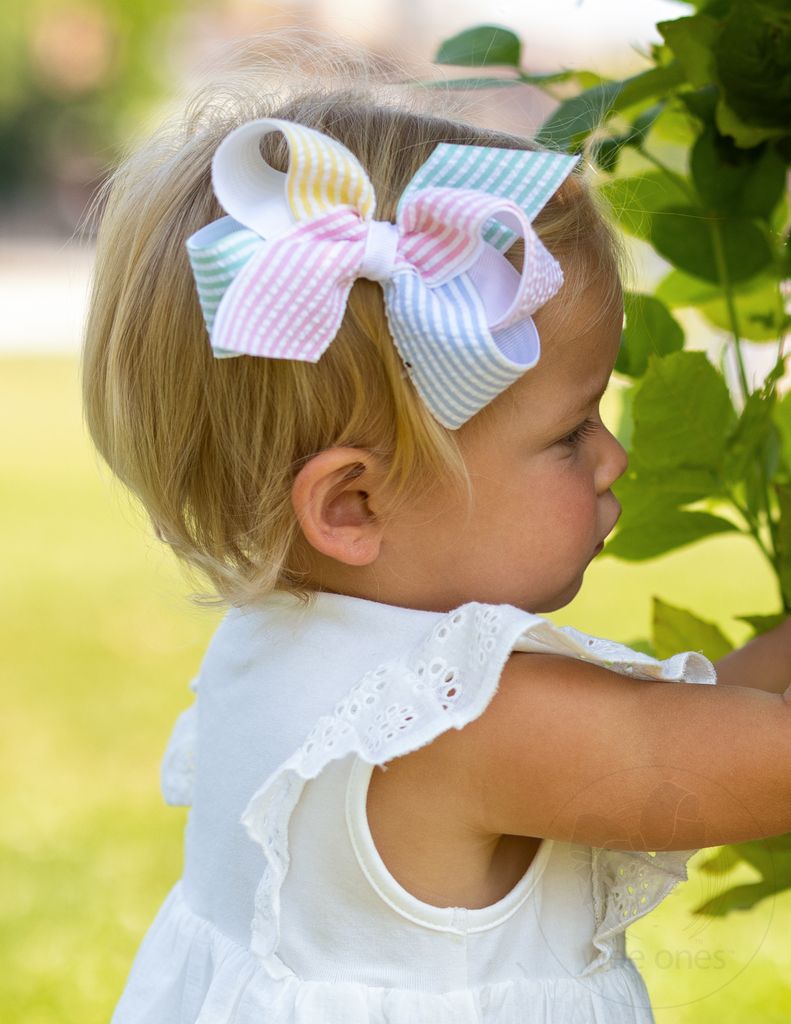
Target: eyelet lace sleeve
x,y
627,885
177,773
446,681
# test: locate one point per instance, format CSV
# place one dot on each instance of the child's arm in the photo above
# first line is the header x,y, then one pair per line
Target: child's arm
x,y
571,751
764,663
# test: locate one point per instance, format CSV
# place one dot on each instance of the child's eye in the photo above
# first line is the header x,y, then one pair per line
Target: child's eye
x,y
585,429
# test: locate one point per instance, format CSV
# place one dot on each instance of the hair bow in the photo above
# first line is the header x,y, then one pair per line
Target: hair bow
x,y
274,276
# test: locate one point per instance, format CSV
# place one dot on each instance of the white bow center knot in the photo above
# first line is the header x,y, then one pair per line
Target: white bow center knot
x,y
381,244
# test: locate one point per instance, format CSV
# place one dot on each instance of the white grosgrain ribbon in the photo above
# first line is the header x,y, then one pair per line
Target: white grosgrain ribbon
x,y
274,276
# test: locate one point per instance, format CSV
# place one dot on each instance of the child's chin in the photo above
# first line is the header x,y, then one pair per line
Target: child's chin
x,y
559,600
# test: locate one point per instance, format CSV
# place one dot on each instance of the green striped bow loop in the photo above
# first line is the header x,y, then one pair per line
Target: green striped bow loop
x,y
273,276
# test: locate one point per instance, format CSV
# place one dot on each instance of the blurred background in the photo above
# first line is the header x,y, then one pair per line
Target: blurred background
x,y
99,639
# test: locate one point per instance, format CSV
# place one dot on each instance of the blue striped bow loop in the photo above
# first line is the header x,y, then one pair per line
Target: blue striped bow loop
x,y
273,277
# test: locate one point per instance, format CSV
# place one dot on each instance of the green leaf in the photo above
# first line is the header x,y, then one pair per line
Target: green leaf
x,y
491,82
650,328
691,40
676,630
765,186
636,134
641,490
683,235
740,897
753,444
753,62
625,425
633,201
472,83
682,413
737,181
678,289
587,79
665,530
784,148
758,306
605,153
578,116
718,170
642,645
743,134
714,8
764,854
656,82
762,623
779,219
481,46
554,77
723,861
674,125
757,301
782,419
771,858
753,452
702,102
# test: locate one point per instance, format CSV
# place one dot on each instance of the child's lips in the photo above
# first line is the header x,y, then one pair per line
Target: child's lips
x,y
614,522
600,545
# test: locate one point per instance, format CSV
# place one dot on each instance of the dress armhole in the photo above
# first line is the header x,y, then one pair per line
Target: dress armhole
x,y
461,920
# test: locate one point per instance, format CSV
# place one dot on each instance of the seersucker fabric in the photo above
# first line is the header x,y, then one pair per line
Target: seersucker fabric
x,y
286,913
275,274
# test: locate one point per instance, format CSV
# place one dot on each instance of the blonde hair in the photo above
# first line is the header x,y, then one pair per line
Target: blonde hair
x,y
210,447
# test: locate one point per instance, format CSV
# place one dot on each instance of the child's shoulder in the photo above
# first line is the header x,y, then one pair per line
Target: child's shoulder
x,y
580,739
529,718
461,656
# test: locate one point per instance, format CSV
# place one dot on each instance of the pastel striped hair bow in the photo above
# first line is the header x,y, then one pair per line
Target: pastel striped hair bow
x,y
274,276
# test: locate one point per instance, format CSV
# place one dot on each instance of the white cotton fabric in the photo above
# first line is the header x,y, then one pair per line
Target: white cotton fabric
x,y
286,913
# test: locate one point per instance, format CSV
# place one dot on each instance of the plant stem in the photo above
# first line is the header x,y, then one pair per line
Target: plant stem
x,y
754,529
722,271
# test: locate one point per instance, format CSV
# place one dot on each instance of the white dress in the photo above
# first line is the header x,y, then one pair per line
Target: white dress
x,y
285,912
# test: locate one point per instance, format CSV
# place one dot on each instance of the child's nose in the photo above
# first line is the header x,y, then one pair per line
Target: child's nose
x,y
613,464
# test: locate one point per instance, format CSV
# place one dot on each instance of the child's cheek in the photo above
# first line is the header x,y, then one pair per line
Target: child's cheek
x,y
575,503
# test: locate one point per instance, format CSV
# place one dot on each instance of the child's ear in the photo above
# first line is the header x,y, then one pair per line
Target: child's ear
x,y
336,496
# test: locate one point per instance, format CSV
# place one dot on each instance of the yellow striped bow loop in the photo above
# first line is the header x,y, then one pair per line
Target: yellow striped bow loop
x,y
322,176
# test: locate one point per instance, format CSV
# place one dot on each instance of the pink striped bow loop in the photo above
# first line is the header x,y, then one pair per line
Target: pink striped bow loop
x,y
289,300
274,277
441,237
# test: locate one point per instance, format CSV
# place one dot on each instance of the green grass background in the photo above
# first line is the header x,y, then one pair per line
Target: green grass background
x,y
99,645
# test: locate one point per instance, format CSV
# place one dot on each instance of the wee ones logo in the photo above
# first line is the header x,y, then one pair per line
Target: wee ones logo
x,y
664,906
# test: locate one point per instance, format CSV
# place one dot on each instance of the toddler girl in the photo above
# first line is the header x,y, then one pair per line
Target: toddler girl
x,y
349,356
